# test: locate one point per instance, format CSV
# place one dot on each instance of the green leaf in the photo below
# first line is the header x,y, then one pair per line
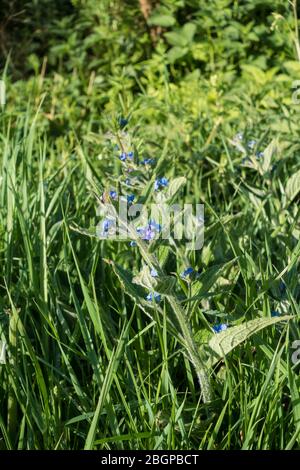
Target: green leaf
x,y
176,39
210,277
174,186
223,343
161,284
292,67
268,154
188,31
144,278
255,73
293,186
176,53
162,20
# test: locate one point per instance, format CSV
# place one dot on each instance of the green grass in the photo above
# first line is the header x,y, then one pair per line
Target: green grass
x,y
90,363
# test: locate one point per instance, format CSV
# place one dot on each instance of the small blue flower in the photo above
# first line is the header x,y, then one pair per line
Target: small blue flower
x,y
149,232
106,224
154,226
147,161
153,296
130,155
113,195
251,144
156,185
130,198
123,122
132,243
187,272
153,272
259,155
282,288
160,183
274,313
123,156
164,182
219,328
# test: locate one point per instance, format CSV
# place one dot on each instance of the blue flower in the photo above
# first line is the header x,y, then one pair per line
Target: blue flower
x,y
106,224
154,226
274,313
160,183
130,155
123,122
123,156
251,144
187,272
153,296
259,155
113,195
153,272
219,328
147,161
164,182
149,232
130,198
156,185
132,243
282,288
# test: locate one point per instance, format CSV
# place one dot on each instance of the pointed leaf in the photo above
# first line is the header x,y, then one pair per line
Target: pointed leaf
x,y
223,343
293,186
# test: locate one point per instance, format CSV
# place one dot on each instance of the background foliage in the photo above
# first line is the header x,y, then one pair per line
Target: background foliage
x,y
90,363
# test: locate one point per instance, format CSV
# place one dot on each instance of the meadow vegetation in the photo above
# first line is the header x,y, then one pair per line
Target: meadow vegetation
x,y
146,345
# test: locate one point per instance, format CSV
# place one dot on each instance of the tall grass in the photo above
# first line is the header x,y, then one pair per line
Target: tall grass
x,y
90,362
